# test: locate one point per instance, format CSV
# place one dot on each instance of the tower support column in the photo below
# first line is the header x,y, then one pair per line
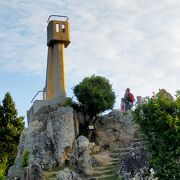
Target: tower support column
x,y
59,70
55,75
49,88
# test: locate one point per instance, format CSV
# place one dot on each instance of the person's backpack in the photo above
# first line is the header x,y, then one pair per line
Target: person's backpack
x,y
131,97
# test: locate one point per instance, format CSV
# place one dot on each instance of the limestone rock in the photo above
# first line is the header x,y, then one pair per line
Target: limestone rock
x,y
49,139
81,155
116,127
134,165
165,94
67,174
33,172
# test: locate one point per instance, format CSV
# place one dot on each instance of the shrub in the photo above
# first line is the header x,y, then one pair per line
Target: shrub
x,y
25,159
159,121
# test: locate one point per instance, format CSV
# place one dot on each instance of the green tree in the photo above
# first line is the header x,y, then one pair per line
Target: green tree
x,y
159,120
11,128
94,95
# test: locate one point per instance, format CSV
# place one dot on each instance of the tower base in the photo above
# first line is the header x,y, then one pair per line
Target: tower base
x,y
57,101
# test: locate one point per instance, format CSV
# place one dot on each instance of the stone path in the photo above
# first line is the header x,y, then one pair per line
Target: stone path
x,y
108,162
107,170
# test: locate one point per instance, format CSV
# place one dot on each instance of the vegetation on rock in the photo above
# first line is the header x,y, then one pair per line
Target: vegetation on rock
x,y
11,128
25,159
159,120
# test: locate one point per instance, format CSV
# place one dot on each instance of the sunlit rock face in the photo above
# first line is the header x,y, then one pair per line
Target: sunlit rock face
x,y
116,128
49,139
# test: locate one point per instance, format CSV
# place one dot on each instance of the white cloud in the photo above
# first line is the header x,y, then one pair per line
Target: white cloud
x,y
134,43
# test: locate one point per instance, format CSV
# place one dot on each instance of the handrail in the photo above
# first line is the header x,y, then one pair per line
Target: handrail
x,y
67,18
35,96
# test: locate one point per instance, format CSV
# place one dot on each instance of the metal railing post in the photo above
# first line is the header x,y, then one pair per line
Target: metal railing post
x,y
44,95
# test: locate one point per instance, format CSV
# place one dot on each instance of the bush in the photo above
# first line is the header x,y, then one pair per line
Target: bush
x,y
159,121
94,95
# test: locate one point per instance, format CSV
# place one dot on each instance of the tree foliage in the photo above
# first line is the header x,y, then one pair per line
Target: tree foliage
x,y
11,128
94,95
3,165
159,120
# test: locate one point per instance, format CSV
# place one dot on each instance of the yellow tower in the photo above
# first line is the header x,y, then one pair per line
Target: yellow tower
x,y
58,37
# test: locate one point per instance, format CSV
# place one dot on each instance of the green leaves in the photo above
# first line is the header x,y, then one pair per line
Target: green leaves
x,y
159,121
94,95
3,166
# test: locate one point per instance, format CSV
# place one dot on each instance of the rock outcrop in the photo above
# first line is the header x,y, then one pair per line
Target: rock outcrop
x,y
81,156
67,174
134,165
48,139
49,144
33,172
116,128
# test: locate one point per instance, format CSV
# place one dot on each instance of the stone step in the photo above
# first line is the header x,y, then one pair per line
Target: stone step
x,y
103,177
136,140
108,178
130,144
116,155
92,178
107,167
122,149
114,159
103,172
113,163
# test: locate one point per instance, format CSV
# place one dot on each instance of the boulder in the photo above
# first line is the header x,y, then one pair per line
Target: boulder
x,y
134,165
33,172
67,174
81,156
116,128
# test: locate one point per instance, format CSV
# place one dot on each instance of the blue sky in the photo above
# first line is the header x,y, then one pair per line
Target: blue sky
x,y
133,43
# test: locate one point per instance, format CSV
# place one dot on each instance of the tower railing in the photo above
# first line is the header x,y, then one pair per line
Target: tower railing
x,y
44,96
57,16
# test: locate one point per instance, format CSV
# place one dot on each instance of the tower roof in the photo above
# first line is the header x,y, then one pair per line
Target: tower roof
x,y
57,17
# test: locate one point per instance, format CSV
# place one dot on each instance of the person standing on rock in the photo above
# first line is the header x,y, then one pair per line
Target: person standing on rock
x,y
128,99
122,106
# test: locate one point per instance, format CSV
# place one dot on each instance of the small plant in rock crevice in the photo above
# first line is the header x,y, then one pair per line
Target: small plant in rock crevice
x,y
25,160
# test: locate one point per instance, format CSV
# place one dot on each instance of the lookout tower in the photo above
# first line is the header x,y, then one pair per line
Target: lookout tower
x,y
54,92
58,38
